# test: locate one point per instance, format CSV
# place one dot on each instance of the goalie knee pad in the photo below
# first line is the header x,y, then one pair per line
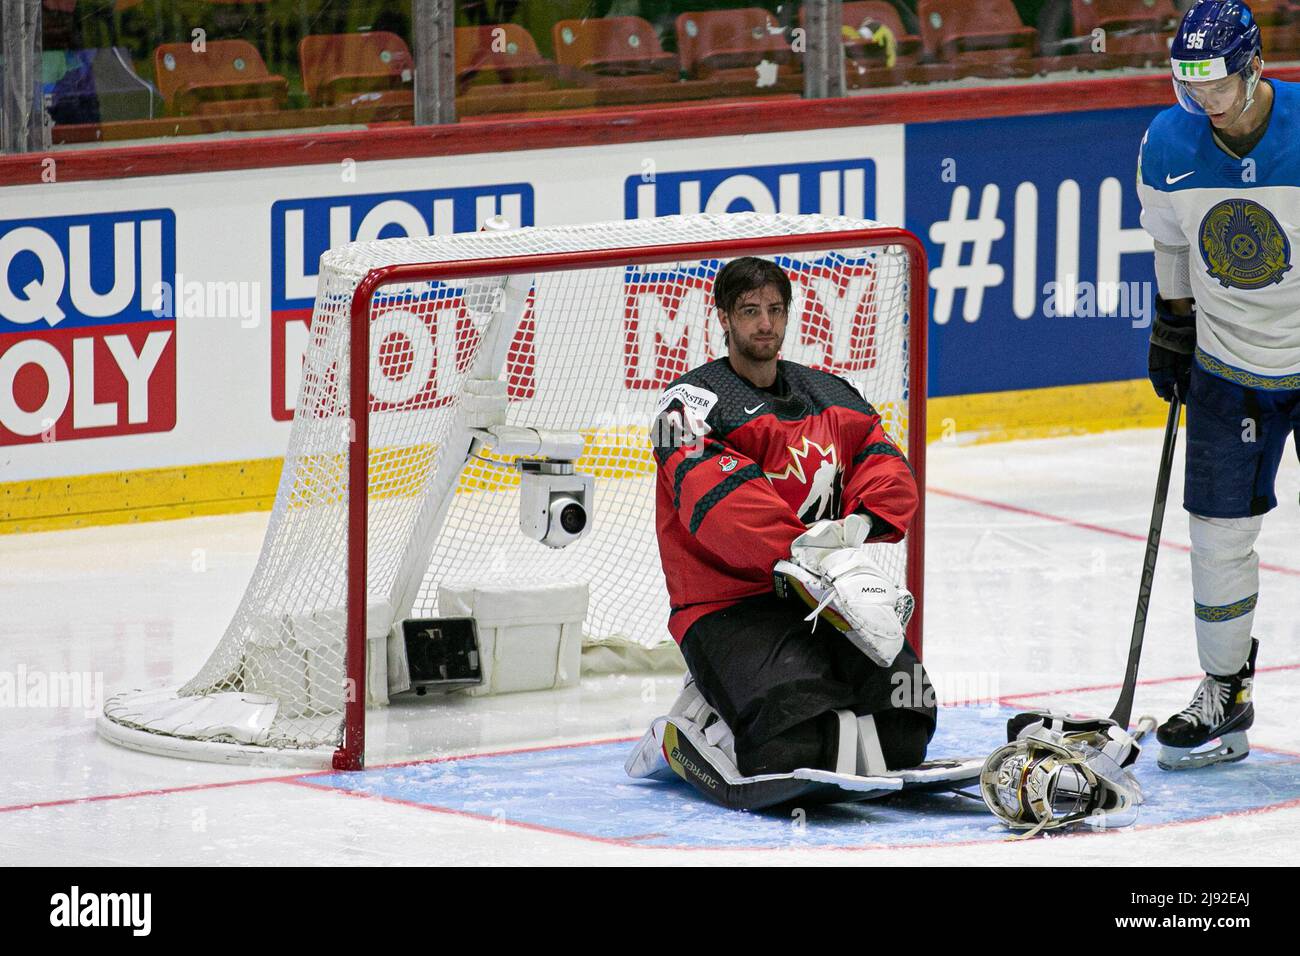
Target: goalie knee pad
x,y
880,743
859,750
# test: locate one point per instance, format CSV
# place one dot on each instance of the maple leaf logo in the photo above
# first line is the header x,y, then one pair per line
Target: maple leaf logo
x,y
820,474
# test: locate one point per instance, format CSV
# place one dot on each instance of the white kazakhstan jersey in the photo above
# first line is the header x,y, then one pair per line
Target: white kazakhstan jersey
x,y
1239,224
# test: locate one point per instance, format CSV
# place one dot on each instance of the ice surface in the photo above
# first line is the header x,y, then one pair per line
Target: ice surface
x,y
1027,605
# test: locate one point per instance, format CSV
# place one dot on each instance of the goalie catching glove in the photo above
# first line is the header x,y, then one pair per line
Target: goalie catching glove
x,y
831,571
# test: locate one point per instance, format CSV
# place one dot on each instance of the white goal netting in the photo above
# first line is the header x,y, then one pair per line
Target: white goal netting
x,y
578,348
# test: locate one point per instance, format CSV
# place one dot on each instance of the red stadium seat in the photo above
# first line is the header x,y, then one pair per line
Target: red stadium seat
x,y
623,47
730,44
355,68
502,54
499,69
227,76
621,61
1136,32
1272,12
982,39
1146,16
1279,28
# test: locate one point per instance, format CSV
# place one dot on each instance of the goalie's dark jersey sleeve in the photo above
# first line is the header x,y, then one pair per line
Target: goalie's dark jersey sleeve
x,y
742,471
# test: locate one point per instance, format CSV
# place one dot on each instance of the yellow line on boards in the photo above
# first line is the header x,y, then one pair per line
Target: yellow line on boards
x,y
1044,412
156,494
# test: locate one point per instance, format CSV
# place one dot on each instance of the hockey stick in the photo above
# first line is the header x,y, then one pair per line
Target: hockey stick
x,y
1124,706
1062,727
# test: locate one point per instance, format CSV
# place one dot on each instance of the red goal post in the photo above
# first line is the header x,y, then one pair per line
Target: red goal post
x,y
350,755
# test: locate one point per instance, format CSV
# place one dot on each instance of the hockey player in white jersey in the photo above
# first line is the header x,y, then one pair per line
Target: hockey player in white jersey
x,y
1219,180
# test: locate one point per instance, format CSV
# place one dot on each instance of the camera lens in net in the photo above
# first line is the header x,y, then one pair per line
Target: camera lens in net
x,y
573,518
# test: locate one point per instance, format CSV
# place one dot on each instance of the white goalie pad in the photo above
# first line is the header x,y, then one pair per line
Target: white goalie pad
x,y
693,743
674,747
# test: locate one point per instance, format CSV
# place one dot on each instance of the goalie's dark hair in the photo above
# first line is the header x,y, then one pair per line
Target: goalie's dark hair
x,y
747,274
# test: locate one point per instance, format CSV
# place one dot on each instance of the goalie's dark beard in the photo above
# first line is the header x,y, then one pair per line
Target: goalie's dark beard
x,y
757,352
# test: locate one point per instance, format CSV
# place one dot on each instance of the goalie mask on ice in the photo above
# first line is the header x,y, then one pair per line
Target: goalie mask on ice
x,y
834,574
1057,771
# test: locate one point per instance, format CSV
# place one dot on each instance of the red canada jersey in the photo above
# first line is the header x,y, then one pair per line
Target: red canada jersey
x,y
742,472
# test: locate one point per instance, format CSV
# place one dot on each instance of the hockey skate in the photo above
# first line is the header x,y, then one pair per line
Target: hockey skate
x,y
1212,728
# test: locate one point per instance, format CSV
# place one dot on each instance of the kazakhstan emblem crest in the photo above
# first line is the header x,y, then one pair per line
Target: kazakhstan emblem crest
x,y
1243,245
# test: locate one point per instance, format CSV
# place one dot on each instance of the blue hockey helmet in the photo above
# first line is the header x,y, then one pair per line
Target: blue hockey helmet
x,y
1216,40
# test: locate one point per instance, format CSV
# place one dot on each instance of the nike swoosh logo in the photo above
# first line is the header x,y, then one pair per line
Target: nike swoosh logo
x,y
750,411
1170,180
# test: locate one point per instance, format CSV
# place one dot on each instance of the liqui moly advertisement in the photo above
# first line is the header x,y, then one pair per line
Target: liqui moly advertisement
x,y
87,346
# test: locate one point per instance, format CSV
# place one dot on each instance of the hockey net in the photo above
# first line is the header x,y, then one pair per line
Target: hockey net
x,y
585,325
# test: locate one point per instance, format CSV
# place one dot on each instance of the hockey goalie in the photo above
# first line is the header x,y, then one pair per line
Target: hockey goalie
x,y
771,479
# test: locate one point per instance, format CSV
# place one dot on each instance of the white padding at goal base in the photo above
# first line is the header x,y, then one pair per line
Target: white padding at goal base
x,y
530,638
227,727
621,656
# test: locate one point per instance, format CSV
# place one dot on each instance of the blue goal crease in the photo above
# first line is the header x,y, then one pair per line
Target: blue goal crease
x,y
583,791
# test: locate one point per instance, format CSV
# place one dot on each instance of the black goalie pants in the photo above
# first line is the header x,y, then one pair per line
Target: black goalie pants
x,y
777,683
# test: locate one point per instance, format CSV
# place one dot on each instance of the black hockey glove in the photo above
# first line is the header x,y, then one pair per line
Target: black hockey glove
x,y
1173,342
